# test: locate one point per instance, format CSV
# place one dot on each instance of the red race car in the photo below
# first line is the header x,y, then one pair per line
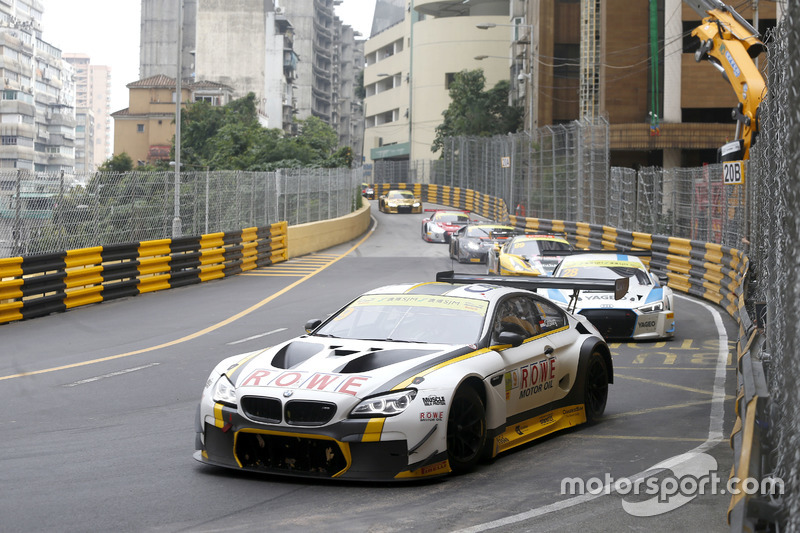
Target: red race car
x,y
442,224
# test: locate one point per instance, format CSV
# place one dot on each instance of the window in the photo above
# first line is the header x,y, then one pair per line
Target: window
x,y
140,128
551,316
518,314
8,140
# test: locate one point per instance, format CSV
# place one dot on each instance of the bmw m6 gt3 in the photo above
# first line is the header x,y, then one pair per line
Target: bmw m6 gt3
x,y
409,381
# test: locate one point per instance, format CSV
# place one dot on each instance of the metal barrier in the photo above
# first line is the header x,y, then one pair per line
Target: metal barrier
x,y
39,285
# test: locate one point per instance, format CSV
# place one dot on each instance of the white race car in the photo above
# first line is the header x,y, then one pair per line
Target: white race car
x,y
410,381
647,311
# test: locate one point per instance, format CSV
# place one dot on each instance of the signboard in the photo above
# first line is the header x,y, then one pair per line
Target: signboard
x,y
733,172
505,162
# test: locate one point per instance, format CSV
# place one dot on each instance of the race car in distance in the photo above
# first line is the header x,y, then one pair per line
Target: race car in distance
x,y
523,255
442,224
409,381
473,243
367,191
646,312
399,201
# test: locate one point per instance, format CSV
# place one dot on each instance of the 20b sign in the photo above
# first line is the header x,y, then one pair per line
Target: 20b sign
x,y
733,173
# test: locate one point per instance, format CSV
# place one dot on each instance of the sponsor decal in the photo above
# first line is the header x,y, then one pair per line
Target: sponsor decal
x,y
343,384
512,382
434,468
423,300
537,377
547,420
433,400
646,325
431,416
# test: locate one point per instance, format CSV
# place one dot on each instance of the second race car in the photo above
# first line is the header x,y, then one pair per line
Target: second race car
x,y
523,255
409,381
441,225
475,242
647,311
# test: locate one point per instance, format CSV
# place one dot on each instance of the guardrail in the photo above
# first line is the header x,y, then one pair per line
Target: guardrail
x,y
39,285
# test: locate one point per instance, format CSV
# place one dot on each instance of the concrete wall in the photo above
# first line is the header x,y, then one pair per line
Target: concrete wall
x,y
315,236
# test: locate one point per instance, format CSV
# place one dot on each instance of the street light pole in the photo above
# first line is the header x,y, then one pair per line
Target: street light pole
x,y
531,74
177,229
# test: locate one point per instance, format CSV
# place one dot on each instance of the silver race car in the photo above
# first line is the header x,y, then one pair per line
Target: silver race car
x,y
410,381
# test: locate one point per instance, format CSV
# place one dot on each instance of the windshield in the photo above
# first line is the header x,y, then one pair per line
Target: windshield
x,y
452,218
409,318
609,269
534,247
400,195
489,232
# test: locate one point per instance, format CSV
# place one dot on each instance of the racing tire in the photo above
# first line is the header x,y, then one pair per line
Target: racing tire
x,y
466,431
595,388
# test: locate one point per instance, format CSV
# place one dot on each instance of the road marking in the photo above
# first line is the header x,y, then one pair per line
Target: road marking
x,y
664,384
256,336
656,409
698,367
110,375
196,334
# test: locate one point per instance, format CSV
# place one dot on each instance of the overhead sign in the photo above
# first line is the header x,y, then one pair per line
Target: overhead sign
x,y
733,172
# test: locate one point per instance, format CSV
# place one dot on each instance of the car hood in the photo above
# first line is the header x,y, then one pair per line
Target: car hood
x,y
318,366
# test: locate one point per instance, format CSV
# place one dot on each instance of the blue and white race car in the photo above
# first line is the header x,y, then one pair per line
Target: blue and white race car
x,y
647,311
410,381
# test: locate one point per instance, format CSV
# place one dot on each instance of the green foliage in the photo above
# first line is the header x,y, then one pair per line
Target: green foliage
x,y
118,163
231,138
476,112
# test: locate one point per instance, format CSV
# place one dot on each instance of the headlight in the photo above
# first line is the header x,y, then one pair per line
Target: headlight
x,y
472,245
658,306
436,229
387,405
224,391
416,204
392,204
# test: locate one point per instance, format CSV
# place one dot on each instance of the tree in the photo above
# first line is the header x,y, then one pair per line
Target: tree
x,y
475,112
117,163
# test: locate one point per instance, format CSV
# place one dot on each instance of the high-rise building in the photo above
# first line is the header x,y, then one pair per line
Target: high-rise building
x,y
285,52
92,97
37,110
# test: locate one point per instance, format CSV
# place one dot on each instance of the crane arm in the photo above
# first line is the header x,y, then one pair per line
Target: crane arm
x,y
730,43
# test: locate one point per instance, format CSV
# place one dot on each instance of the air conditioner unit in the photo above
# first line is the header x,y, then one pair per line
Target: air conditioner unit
x,y
279,10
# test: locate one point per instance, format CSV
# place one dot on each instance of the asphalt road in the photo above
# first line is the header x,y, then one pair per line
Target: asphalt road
x,y
100,402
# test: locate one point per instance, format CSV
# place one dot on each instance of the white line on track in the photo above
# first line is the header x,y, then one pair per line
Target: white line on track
x,y
257,336
110,375
715,436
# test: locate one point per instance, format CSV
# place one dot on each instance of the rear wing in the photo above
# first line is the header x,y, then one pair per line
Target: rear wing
x,y
618,286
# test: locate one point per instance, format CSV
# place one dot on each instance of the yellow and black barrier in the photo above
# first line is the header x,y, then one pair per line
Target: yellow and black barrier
x,y
39,285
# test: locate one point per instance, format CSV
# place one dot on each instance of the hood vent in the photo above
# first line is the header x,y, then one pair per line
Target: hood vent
x,y
295,353
375,360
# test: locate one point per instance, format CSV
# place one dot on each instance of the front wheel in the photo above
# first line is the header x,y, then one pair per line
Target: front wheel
x,y
466,430
595,389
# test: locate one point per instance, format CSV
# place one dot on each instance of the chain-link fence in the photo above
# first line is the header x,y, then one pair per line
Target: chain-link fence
x,y
775,233
42,213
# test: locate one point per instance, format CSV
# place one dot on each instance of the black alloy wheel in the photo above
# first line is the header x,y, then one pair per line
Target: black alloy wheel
x,y
595,392
466,430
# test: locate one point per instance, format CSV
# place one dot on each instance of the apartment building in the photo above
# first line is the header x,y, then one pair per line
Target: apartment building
x,y
37,113
145,129
92,97
410,63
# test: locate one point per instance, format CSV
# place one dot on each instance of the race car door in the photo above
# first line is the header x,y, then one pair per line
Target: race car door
x,y
530,368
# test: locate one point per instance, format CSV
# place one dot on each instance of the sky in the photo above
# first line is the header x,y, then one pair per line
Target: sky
x,y
108,32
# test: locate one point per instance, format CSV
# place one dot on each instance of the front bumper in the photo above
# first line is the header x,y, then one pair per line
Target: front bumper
x,y
402,209
344,450
628,324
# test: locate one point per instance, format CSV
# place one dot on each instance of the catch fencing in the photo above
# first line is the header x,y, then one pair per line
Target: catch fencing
x,y
45,213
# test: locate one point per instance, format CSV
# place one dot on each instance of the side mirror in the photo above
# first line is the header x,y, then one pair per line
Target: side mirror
x,y
510,337
312,324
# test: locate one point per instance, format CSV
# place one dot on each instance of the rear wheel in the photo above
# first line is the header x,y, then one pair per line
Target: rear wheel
x,y
466,430
595,390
